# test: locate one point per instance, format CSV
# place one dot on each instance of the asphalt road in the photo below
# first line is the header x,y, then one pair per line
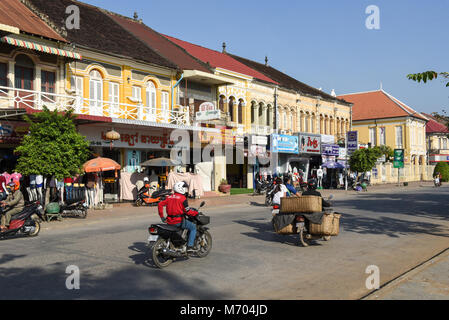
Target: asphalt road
x,y
394,230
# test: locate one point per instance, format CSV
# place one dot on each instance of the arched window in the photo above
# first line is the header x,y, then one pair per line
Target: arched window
x,y
96,93
240,111
231,107
221,103
150,107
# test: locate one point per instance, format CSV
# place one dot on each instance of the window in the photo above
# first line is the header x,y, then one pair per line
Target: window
x,y
48,80
114,98
372,136
164,105
3,75
382,136
150,110
76,84
96,93
445,143
399,137
285,121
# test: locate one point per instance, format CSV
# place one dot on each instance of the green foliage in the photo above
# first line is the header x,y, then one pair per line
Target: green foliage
x,y
428,76
364,160
385,150
443,168
53,146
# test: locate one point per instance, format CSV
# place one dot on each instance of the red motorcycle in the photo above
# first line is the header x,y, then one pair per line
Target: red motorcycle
x,y
26,223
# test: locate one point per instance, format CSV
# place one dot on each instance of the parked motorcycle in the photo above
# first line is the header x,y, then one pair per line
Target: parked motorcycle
x,y
269,194
167,243
261,187
154,199
26,223
74,208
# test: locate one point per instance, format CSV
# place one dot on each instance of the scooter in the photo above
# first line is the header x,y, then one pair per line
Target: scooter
x,y
437,182
76,208
154,199
26,223
167,243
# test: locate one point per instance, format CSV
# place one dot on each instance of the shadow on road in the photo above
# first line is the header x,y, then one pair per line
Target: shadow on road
x,y
10,257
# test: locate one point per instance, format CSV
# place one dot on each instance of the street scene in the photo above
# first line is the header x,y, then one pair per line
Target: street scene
x,y
140,159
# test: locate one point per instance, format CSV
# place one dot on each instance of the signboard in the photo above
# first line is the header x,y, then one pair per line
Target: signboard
x,y
207,115
327,139
353,141
259,140
255,151
13,132
225,137
330,150
310,143
281,143
206,106
439,158
398,161
342,153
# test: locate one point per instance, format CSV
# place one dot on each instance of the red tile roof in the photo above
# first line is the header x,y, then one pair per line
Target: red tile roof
x,y
160,44
434,126
378,105
14,13
219,60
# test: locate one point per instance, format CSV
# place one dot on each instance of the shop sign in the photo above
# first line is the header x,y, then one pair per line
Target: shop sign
x,y
439,158
353,141
224,137
13,132
255,151
137,140
310,143
342,153
259,140
206,106
207,115
281,143
330,150
398,161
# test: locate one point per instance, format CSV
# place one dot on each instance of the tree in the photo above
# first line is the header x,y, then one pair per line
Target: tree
x,y
385,150
443,168
428,76
364,160
53,146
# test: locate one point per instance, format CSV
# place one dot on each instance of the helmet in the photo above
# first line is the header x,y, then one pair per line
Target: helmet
x,y
13,185
146,179
312,184
179,187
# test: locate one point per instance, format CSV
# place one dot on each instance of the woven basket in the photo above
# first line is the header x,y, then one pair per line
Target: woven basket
x,y
330,225
289,229
301,204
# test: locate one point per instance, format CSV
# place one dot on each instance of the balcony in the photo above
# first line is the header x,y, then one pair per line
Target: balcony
x,y
15,99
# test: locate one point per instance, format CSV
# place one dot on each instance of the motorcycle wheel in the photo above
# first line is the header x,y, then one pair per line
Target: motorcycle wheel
x,y
158,259
327,238
83,213
204,244
37,228
139,202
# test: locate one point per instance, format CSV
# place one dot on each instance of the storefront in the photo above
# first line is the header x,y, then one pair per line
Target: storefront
x,y
309,159
259,162
11,135
285,148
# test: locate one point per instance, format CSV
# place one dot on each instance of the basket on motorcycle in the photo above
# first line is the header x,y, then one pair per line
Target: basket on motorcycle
x,y
203,220
53,208
330,226
301,204
287,230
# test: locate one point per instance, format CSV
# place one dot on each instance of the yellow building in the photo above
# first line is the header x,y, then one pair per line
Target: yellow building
x,y
381,119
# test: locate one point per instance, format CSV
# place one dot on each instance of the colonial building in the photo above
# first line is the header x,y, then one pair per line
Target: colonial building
x,y
437,140
381,119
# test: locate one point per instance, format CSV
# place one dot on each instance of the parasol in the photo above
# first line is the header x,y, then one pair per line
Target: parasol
x,y
100,164
160,162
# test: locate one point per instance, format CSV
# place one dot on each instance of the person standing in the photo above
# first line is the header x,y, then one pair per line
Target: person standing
x,y
3,189
68,181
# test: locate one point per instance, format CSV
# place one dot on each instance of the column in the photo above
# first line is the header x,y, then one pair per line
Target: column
x,y
11,84
264,115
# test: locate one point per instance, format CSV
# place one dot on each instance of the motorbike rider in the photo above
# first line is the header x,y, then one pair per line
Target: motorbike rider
x,y
14,201
290,187
311,191
279,192
177,208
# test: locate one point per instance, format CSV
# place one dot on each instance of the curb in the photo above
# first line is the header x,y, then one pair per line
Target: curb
x,y
392,284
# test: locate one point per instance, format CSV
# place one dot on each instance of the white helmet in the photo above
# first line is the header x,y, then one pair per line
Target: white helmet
x,y
179,187
146,179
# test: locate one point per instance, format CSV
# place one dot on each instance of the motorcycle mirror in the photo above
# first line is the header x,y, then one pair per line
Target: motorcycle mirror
x,y
202,204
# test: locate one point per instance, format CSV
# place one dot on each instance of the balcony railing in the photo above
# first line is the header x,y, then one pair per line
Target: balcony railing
x,y
11,98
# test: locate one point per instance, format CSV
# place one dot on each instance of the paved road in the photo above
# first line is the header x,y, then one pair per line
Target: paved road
x,y
392,229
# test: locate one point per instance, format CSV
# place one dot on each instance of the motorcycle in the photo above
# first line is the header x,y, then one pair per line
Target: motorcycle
x,y
302,226
437,182
269,195
154,199
77,208
261,187
167,243
25,223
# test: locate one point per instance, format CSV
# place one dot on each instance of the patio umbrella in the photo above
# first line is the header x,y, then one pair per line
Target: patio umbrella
x,y
333,165
160,162
100,164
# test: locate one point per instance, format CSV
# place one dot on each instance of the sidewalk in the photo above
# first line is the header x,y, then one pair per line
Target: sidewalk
x,y
429,281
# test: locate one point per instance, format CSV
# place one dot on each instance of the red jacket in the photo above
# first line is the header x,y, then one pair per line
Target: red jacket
x,y
177,207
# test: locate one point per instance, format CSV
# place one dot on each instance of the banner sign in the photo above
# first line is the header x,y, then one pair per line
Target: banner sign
x,y
310,143
330,150
208,115
439,158
281,143
353,141
398,161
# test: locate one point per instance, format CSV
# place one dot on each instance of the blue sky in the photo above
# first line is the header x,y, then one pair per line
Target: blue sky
x,y
323,43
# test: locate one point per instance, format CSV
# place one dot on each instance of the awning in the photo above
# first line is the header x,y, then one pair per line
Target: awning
x,y
35,46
